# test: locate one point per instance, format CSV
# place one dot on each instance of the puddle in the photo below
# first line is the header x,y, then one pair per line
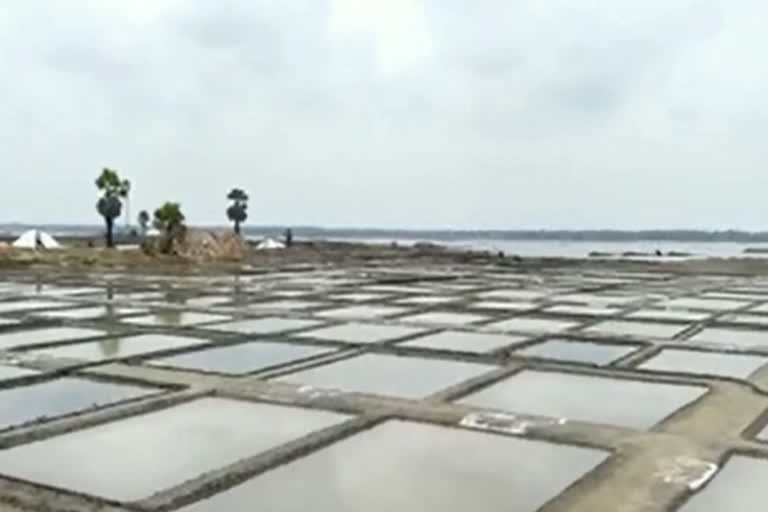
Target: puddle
x,y
668,314
58,397
524,324
739,486
406,377
175,318
361,333
85,313
427,300
739,366
118,347
640,329
25,305
628,403
464,341
566,309
578,351
266,325
415,467
513,295
160,449
707,304
443,318
503,306
730,337
244,358
361,312
48,335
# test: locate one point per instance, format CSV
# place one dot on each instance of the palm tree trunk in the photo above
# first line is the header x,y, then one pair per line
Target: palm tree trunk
x,y
110,224
237,227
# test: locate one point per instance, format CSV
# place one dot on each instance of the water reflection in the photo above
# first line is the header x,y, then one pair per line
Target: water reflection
x,y
169,317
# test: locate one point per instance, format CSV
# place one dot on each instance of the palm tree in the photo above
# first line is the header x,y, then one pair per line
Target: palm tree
x,y
110,205
170,220
238,210
143,221
169,217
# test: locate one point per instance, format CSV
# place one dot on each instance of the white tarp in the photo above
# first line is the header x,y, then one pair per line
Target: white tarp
x,y
269,244
34,239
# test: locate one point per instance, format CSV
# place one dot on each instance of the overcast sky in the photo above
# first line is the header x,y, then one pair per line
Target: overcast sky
x,y
391,113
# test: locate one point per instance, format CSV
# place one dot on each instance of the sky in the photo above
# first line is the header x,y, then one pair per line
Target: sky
x,y
560,114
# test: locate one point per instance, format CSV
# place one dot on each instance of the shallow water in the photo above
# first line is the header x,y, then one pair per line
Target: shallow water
x,y
24,305
413,467
406,377
160,449
361,333
742,338
706,304
243,358
118,347
668,314
503,305
89,312
175,318
641,329
584,352
628,403
513,294
357,297
427,300
711,363
362,312
444,318
61,396
47,335
739,486
531,324
572,309
284,305
464,341
266,325
10,372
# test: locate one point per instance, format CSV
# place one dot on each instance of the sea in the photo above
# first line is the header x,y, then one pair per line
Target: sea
x,y
563,244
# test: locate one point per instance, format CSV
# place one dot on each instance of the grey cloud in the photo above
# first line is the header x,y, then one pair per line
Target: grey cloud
x,y
591,97
512,98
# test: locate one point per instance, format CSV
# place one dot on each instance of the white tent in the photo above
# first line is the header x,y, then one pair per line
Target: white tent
x,y
269,244
34,239
153,232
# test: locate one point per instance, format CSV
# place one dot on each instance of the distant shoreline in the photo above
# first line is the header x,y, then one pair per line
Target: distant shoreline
x,y
440,235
